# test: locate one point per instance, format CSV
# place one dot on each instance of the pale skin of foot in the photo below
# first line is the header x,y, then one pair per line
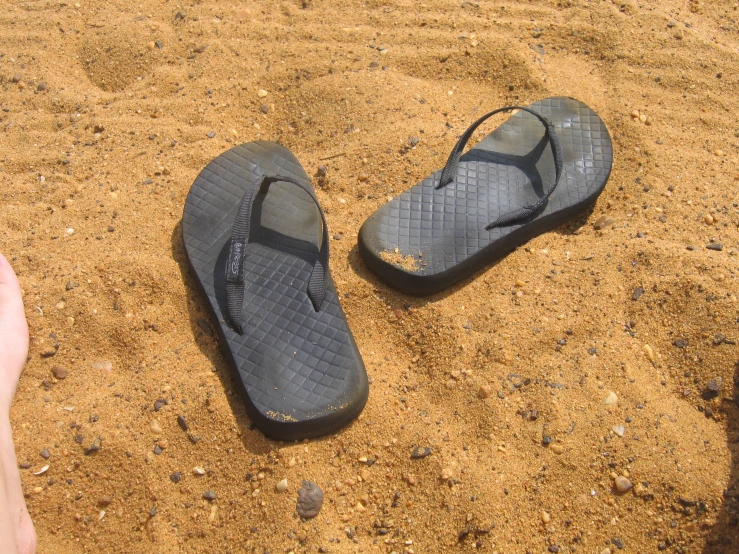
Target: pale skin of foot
x,y
17,534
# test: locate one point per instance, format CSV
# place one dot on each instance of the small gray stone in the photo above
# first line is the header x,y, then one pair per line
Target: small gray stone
x,y
205,327
718,247
44,453
211,135
622,484
638,291
182,422
310,500
420,452
159,404
209,495
714,385
41,87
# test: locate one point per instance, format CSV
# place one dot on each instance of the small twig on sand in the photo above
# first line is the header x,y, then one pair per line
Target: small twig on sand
x,y
332,157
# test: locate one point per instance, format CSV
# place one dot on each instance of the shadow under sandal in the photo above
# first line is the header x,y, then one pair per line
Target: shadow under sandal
x,y
257,241
547,164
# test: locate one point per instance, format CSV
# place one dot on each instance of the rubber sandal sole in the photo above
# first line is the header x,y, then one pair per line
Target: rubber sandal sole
x,y
300,371
427,239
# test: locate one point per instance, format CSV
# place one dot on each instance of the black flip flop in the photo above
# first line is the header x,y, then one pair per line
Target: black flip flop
x,y
257,242
545,165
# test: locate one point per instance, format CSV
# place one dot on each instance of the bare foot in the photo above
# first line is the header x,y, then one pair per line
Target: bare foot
x,y
16,529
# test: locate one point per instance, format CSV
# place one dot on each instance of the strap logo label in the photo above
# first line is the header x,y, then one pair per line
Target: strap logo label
x,y
234,262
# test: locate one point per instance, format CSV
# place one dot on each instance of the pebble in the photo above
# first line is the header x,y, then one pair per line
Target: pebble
x,y
302,535
98,128
49,351
714,385
94,447
182,422
159,404
718,247
264,108
176,477
619,430
281,486
155,427
41,87
104,501
209,495
212,514
261,93
602,222
197,470
485,391
204,326
310,500
157,449
59,372
557,448
102,366
447,473
16,78
611,399
708,218
649,352
211,134
420,452
45,453
638,291
545,517
622,484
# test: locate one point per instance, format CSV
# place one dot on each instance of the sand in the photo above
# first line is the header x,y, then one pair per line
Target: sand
x,y
94,171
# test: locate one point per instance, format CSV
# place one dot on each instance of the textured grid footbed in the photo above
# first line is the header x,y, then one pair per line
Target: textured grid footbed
x,y
439,235
301,371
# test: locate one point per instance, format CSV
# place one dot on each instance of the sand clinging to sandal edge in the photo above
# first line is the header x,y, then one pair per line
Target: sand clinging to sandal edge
x,y
110,110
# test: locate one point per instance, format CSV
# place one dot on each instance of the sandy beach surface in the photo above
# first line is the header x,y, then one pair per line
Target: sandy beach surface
x,y
608,347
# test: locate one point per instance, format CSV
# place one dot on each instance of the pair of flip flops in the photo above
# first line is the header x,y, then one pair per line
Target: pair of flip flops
x,y
257,242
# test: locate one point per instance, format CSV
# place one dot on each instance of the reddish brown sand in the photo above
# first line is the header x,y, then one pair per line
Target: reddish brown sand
x,y
94,171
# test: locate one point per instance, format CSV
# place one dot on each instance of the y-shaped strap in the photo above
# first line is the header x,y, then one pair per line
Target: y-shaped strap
x,y
519,214
239,239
